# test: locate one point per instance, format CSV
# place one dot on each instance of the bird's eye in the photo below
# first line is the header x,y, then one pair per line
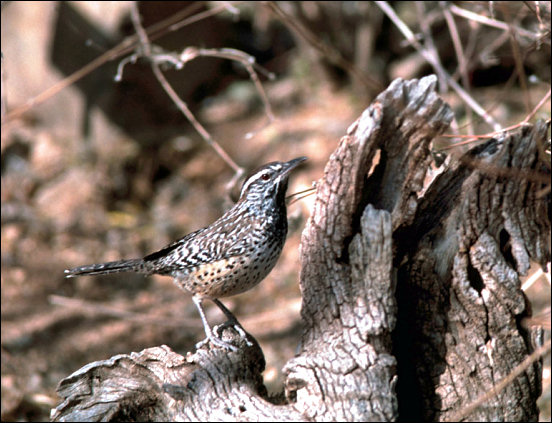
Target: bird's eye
x,y
265,176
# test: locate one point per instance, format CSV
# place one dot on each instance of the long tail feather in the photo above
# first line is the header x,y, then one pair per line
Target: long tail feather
x,y
133,265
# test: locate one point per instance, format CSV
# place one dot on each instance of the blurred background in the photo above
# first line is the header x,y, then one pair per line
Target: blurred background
x,y
95,169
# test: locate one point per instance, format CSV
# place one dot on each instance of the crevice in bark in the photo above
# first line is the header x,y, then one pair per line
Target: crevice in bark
x,y
506,248
474,278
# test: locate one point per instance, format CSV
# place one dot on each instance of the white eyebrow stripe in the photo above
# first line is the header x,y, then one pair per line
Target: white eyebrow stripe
x,y
254,178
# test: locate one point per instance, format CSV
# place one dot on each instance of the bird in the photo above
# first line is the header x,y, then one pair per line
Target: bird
x,y
226,258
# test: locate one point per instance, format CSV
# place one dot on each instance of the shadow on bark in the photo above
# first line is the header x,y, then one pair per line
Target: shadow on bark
x,y
411,293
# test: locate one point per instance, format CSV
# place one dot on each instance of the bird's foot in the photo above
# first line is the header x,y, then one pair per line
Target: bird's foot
x,y
234,324
215,337
218,342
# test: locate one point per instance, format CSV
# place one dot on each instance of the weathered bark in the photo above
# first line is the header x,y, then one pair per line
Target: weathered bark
x,y
475,231
411,298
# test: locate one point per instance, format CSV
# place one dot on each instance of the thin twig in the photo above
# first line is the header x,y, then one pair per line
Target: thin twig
x,y
537,107
532,279
296,196
491,22
115,52
409,35
142,36
155,31
473,138
462,62
147,51
518,60
178,62
430,46
247,60
190,116
331,54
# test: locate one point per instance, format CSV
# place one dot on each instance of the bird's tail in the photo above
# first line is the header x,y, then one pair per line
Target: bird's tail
x,y
133,265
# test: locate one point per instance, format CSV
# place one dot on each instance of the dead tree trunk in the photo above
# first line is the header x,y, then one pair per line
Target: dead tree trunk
x,y
411,296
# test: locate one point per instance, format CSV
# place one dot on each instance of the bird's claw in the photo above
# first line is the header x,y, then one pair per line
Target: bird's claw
x,y
215,337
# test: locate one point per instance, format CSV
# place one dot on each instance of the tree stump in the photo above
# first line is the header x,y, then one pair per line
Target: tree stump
x,y
411,293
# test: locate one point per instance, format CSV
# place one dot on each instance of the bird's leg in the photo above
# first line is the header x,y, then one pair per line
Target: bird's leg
x,y
232,321
208,331
229,315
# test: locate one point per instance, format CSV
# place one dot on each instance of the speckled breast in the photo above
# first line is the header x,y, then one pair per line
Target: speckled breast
x,y
233,275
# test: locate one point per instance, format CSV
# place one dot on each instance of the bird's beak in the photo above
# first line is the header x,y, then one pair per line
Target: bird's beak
x,y
292,164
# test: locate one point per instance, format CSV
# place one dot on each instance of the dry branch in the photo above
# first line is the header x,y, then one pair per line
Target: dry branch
x,y
411,296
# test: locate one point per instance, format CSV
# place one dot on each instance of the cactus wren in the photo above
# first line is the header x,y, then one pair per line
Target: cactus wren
x,y
228,257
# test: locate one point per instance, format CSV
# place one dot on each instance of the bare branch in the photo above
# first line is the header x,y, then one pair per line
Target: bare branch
x,y
409,35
